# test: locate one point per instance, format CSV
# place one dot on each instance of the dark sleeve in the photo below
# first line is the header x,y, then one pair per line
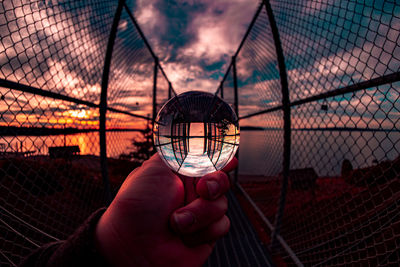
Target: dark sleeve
x,y
78,250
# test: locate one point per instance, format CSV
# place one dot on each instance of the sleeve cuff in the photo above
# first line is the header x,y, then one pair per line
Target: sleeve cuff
x,y
80,249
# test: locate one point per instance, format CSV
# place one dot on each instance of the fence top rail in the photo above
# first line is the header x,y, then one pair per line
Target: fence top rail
x,y
390,78
37,91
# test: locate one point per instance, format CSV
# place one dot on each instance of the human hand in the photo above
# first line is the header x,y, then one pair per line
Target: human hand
x,y
156,219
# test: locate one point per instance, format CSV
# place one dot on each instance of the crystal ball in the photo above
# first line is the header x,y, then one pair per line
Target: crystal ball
x,y
196,133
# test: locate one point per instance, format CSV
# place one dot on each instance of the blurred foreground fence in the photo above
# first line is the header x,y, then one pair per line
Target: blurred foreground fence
x,y
321,81
73,74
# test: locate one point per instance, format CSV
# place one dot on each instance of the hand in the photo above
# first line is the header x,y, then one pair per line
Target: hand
x,y
156,218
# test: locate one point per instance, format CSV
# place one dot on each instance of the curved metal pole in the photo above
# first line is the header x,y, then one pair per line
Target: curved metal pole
x,y
236,106
103,101
147,44
169,90
253,21
155,88
235,86
286,123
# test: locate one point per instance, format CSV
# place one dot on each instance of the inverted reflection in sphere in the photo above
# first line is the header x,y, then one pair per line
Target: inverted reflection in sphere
x,y
196,133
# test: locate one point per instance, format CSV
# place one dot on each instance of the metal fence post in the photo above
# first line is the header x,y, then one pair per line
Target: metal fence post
x,y
103,101
235,85
236,104
169,90
286,123
155,88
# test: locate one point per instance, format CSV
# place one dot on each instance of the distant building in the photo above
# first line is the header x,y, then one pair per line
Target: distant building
x,y
63,151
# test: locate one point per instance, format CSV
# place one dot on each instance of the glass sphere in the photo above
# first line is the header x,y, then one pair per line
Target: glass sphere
x,y
196,133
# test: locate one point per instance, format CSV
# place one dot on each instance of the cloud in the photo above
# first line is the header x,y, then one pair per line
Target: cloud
x,y
208,32
58,54
65,54
150,17
361,62
219,29
187,77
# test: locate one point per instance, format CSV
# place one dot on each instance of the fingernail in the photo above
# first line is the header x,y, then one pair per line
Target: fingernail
x,y
213,188
183,219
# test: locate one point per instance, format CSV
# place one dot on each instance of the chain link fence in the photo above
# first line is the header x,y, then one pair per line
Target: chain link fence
x,y
318,87
64,66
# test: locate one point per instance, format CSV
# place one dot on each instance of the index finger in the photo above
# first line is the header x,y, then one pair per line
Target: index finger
x,y
231,165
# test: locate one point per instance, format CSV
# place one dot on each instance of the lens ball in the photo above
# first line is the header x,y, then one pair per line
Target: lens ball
x,y
196,133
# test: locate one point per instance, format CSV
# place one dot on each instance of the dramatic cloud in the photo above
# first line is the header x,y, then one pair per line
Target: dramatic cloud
x,y
201,40
219,29
194,41
65,55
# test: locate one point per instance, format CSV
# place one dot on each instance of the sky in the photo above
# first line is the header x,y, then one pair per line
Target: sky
x,y
326,46
194,39
59,46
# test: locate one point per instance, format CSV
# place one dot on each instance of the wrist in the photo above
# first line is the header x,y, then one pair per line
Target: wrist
x,y
114,249
104,243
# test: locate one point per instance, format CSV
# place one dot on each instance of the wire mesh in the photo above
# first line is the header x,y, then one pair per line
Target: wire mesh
x,y
335,44
131,73
338,45
43,43
257,70
44,193
260,161
342,63
162,90
51,65
342,60
228,89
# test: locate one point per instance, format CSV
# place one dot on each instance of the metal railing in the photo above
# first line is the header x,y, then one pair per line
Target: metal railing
x,y
316,87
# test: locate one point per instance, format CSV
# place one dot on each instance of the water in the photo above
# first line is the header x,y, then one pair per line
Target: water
x,y
260,152
117,143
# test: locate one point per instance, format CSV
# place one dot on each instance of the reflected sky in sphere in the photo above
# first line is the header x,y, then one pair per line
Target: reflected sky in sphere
x,y
196,133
